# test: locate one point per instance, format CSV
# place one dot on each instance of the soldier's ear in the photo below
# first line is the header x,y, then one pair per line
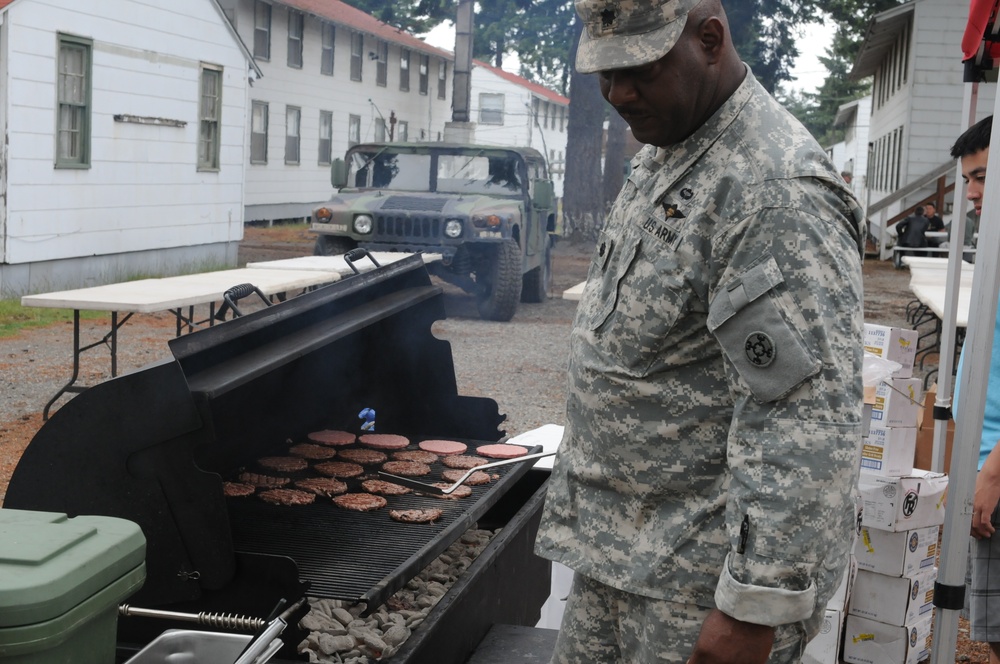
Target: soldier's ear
x,y
712,36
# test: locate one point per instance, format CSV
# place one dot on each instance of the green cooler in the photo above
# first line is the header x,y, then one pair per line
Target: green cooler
x,y
61,580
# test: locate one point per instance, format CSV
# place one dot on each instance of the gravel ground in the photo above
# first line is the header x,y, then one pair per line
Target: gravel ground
x,y
519,364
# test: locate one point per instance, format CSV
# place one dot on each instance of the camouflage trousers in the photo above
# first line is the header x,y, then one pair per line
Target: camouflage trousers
x,y
606,625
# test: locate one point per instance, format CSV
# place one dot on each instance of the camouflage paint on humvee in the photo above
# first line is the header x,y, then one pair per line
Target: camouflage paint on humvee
x,y
489,211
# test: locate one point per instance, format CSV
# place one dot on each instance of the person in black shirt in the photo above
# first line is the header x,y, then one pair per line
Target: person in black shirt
x,y
936,224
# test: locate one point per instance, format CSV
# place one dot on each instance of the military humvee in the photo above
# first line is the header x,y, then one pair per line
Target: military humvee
x,y
489,211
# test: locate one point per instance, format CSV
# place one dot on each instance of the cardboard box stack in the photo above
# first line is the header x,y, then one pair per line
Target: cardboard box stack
x,y
891,604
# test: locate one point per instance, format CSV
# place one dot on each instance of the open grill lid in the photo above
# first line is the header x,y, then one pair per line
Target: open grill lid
x,y
151,446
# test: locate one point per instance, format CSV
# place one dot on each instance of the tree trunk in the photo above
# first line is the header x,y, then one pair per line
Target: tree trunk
x,y
614,159
583,209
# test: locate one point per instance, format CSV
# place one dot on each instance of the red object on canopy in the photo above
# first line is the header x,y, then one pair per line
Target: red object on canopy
x,y
982,16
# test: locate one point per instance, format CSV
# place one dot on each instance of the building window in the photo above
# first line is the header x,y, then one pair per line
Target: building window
x,y
210,118
329,39
403,131
293,119
325,137
296,24
490,108
258,132
353,129
262,30
425,64
357,53
562,118
442,77
404,70
382,66
379,129
73,98
536,105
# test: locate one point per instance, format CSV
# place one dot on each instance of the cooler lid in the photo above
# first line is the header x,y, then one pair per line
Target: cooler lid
x,y
50,563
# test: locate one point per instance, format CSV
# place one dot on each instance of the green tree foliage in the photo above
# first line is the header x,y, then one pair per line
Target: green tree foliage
x,y
416,16
764,35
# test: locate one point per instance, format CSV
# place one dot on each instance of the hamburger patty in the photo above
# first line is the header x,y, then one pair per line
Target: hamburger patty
x,y
338,469
502,451
360,502
332,437
475,479
415,516
311,451
283,464
237,489
322,486
406,468
362,456
385,488
464,461
384,441
287,497
415,455
443,447
263,481
460,492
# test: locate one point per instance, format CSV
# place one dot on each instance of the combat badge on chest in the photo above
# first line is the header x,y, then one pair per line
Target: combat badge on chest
x,y
667,228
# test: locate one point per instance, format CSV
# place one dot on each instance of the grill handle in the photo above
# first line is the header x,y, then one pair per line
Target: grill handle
x,y
234,295
437,491
356,255
229,621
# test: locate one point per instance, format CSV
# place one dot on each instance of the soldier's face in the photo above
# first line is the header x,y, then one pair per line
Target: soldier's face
x,y
974,174
663,101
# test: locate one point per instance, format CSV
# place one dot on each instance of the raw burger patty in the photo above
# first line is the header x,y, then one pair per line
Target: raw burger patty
x,y
443,447
332,437
463,461
384,488
287,497
475,479
322,486
461,492
339,469
415,455
283,464
384,441
502,451
360,502
263,481
415,516
237,489
362,456
310,451
406,468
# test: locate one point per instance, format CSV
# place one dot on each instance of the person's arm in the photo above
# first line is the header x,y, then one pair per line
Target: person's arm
x,y
795,437
987,496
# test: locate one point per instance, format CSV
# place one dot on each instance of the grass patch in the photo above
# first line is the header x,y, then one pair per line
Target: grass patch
x,y
14,317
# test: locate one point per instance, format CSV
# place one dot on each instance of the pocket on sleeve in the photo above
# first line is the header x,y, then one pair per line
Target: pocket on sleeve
x,y
758,336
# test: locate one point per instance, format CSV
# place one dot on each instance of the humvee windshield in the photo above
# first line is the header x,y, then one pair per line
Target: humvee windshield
x,y
475,173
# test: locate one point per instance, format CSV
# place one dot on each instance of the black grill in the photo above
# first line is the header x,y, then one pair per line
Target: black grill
x,y
408,227
418,203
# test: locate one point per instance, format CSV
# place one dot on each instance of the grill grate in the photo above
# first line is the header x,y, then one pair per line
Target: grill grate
x,y
363,556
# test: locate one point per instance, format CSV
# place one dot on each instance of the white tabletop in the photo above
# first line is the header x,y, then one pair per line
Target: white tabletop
x,y
934,297
337,263
151,295
932,262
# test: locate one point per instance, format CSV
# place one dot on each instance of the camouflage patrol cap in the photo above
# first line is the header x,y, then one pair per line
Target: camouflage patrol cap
x,y
628,33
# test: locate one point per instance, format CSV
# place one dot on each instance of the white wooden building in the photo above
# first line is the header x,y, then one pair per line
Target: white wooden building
x,y
852,156
913,54
511,110
123,144
333,76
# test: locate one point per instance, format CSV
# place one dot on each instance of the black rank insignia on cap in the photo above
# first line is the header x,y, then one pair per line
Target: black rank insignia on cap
x,y
760,349
608,17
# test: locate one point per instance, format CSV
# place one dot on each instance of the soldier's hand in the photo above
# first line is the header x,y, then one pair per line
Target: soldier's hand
x,y
984,502
725,640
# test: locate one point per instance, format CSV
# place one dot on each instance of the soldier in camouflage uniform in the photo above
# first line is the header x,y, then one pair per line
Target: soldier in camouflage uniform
x,y
703,491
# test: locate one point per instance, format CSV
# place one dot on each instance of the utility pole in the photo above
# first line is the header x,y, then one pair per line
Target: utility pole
x,y
461,129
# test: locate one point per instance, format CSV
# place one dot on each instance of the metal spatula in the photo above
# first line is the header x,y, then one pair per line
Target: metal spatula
x,y
438,491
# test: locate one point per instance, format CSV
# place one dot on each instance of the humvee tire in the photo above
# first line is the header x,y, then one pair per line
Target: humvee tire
x,y
502,283
537,281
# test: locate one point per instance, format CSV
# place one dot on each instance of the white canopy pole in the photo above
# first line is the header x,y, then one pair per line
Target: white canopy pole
x,y
969,418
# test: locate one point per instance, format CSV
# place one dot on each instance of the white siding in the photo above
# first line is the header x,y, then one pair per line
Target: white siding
x,y
300,186
142,190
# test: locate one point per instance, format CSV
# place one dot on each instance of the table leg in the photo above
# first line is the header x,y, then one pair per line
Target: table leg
x,y
68,387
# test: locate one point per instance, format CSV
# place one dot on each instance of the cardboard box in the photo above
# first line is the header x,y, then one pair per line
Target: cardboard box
x,y
866,410
897,403
894,600
924,455
892,343
870,642
825,647
897,554
904,503
889,451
